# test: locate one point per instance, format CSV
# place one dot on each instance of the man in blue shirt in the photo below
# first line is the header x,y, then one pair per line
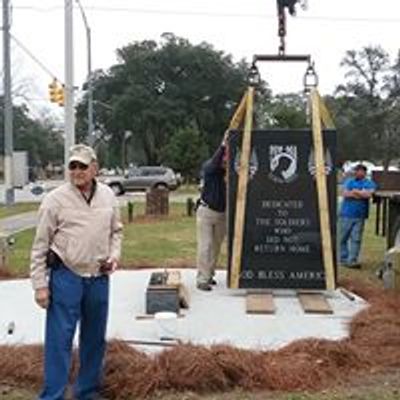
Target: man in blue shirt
x,y
354,211
210,218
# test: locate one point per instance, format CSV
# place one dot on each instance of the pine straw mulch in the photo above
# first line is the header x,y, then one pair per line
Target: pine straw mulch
x,y
373,346
6,274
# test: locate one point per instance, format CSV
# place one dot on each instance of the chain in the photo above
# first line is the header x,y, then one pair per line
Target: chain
x,y
291,6
281,28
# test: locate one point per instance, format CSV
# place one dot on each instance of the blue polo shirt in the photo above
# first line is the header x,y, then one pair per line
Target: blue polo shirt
x,y
356,208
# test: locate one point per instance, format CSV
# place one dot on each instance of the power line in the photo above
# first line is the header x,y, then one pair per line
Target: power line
x,y
34,58
213,14
383,20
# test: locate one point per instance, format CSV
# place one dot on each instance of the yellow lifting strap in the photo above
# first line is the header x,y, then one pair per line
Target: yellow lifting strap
x,y
237,118
320,114
243,174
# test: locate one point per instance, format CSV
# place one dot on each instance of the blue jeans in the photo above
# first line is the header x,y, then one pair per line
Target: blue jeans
x,y
351,231
73,299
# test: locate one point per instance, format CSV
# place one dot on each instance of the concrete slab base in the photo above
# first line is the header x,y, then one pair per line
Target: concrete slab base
x,y
216,317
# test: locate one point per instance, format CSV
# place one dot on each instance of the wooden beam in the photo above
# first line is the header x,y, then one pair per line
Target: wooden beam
x,y
314,303
325,114
145,342
262,303
238,116
242,193
322,189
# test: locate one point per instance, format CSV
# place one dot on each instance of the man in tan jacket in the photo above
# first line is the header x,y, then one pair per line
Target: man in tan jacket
x,y
77,245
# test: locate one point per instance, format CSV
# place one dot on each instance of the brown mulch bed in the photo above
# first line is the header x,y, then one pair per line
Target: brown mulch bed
x,y
373,345
5,274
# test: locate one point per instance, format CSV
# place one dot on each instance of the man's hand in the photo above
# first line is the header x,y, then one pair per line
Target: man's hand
x,y
365,194
113,264
361,193
42,297
109,266
352,194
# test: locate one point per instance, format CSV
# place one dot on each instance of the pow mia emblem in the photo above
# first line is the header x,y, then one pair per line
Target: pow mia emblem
x,y
283,163
328,163
253,163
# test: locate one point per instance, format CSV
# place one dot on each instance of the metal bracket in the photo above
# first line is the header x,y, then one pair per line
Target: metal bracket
x,y
281,57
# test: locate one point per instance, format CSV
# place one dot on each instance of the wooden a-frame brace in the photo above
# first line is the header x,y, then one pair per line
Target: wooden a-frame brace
x,y
319,114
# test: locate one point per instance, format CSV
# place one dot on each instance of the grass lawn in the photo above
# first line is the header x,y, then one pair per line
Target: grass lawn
x,y
380,387
171,241
372,252
168,241
18,208
188,189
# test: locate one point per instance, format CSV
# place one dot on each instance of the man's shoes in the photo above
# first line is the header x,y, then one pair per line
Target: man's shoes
x,y
206,287
212,281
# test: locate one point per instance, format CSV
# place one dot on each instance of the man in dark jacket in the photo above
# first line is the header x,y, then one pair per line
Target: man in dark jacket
x,y
211,220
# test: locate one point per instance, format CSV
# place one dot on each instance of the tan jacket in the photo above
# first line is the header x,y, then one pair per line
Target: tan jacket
x,y
83,235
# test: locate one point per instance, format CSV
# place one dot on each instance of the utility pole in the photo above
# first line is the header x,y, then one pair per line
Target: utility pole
x,y
90,137
90,90
8,110
69,123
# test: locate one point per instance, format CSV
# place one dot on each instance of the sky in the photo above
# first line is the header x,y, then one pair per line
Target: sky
x,y
242,28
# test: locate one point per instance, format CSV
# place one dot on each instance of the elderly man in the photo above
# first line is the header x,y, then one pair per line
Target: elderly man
x,y
76,247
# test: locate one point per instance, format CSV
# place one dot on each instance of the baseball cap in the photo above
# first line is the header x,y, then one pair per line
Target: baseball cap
x,y
82,153
360,167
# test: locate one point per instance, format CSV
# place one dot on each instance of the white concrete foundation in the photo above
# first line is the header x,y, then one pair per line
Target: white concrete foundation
x,y
214,317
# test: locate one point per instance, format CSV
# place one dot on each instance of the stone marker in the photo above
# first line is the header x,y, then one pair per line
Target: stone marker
x,y
282,240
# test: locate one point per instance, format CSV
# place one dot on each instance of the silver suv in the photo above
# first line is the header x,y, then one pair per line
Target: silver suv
x,y
143,178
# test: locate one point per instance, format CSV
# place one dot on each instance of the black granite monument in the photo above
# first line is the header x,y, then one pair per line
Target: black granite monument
x,y
282,239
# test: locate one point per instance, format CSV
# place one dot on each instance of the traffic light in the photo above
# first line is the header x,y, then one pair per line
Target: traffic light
x,y
53,87
57,92
60,96
289,4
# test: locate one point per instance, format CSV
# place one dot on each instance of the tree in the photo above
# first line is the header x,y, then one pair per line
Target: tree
x,y
366,71
43,143
284,111
186,151
157,89
392,121
364,109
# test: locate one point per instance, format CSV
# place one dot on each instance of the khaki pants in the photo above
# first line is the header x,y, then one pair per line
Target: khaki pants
x,y
211,230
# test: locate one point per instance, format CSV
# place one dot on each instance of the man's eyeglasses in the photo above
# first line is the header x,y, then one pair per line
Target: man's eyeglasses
x,y
77,165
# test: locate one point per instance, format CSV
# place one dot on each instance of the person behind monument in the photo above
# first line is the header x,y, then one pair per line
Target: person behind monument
x,y
76,247
210,218
357,190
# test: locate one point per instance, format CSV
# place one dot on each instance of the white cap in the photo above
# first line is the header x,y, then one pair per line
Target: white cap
x,y
82,153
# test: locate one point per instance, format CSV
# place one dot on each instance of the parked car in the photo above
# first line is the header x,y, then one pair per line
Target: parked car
x,y
143,178
371,167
